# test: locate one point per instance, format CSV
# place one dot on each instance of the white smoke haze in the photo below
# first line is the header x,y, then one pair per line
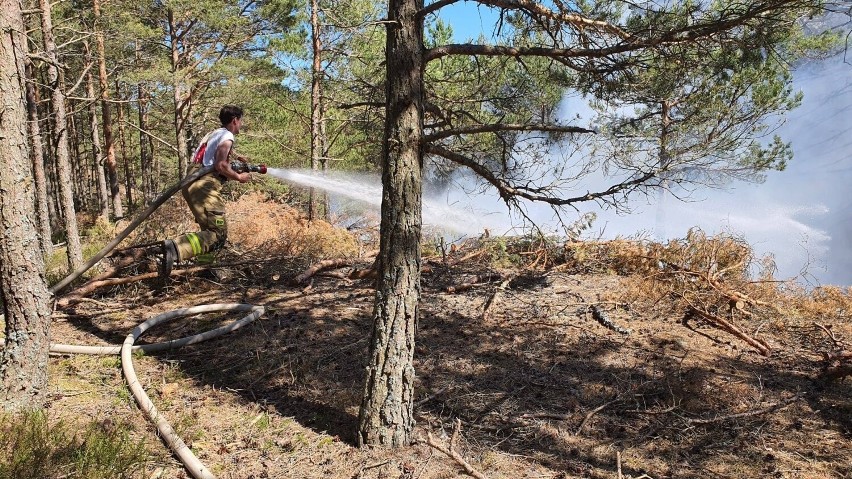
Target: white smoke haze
x,y
802,216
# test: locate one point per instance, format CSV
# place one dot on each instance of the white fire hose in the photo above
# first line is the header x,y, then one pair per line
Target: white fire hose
x,y
186,456
184,453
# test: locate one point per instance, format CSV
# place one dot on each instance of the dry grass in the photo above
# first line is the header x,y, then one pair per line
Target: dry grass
x,y
542,389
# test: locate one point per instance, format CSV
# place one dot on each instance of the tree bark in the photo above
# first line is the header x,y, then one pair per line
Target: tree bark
x,y
63,161
37,156
146,148
317,140
129,177
180,101
23,361
386,416
99,169
106,115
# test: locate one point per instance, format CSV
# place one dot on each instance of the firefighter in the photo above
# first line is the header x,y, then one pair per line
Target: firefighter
x,y
203,195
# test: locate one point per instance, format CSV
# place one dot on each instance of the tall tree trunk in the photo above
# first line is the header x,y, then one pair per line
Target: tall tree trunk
x,y
100,174
53,206
146,149
386,417
37,157
63,161
23,360
325,201
129,178
81,197
146,160
110,163
316,104
179,98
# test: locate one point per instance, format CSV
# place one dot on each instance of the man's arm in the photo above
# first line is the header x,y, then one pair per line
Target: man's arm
x,y
223,166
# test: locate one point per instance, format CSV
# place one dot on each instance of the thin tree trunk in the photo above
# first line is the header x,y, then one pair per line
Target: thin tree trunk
x,y
53,206
146,160
37,157
386,416
100,174
180,102
23,360
316,101
63,161
110,163
129,177
81,197
325,201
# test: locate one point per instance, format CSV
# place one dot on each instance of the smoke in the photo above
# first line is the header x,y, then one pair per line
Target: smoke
x,y
802,216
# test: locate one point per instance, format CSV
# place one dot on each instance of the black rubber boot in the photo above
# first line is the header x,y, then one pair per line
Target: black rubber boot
x,y
170,255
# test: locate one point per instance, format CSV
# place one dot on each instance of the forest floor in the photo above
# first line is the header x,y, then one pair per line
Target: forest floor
x,y
551,372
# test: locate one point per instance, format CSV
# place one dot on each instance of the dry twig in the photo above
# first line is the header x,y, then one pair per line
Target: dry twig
x,y
758,344
492,299
452,453
477,280
756,412
322,266
592,413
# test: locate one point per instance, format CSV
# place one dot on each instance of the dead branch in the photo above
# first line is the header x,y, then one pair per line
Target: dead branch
x,y
452,453
600,316
592,413
618,464
827,329
477,280
322,266
758,344
756,412
491,299
838,356
469,256
124,260
432,396
734,296
547,415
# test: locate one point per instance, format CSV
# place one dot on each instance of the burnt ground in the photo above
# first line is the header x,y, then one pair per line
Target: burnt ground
x,y
540,387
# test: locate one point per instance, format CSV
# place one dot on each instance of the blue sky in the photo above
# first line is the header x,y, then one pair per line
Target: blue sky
x,y
468,20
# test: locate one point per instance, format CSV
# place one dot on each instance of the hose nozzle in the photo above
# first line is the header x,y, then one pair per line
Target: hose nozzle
x,y
243,167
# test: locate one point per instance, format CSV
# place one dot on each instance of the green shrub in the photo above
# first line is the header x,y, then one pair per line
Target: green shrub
x,y
31,447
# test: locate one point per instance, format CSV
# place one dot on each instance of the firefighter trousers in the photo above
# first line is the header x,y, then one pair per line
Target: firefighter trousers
x,y
205,201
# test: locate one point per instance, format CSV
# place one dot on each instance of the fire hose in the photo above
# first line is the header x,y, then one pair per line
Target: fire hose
x,y
175,443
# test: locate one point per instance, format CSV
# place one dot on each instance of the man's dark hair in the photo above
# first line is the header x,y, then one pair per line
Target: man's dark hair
x,y
228,113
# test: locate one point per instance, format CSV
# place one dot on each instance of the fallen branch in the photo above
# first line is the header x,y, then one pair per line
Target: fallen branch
x,y
547,415
758,344
432,396
827,330
756,412
477,280
734,296
124,260
491,299
592,413
95,285
451,451
600,316
468,256
322,266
